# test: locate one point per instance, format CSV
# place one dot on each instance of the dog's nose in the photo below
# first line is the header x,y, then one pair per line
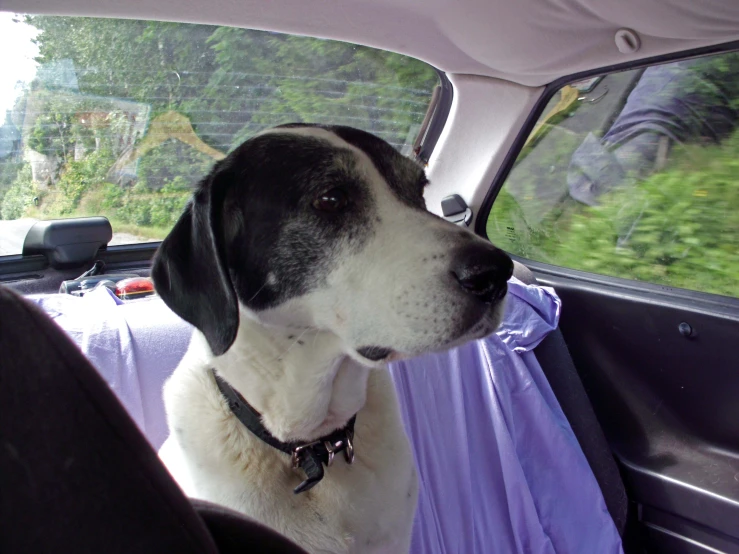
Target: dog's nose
x,y
483,271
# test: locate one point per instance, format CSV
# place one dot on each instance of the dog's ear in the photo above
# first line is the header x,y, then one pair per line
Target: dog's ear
x,y
189,270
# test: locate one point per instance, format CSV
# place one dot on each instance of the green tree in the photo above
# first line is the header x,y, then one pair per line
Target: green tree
x,y
230,83
300,79
19,196
159,63
677,227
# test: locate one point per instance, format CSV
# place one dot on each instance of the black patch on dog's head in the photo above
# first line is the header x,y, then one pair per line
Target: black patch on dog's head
x,y
271,225
405,177
188,269
251,231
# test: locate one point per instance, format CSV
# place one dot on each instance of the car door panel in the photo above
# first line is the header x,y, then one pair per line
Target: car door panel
x,y
668,400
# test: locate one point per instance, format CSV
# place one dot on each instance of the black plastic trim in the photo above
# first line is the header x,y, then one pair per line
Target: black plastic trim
x,y
438,119
675,543
686,534
550,90
21,264
128,254
664,400
68,242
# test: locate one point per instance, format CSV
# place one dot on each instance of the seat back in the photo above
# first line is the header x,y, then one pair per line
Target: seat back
x,y
76,475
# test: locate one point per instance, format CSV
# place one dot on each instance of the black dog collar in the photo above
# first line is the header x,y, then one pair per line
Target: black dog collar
x,y
311,456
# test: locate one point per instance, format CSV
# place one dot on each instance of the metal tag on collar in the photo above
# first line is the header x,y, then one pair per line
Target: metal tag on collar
x,y
332,448
349,450
305,458
344,444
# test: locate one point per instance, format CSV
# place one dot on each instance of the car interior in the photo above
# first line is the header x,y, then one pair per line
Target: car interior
x,y
597,144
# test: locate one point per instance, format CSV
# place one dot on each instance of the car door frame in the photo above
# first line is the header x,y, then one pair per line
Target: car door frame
x,y
672,511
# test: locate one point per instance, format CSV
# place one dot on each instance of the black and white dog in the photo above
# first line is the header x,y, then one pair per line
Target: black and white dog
x,y
306,260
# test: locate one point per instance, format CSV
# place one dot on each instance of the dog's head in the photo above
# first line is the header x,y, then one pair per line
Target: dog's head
x,y
325,227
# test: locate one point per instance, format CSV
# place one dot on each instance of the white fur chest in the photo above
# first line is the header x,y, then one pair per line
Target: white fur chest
x,y
367,507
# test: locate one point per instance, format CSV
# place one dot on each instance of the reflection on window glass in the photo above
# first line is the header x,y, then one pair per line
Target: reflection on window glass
x,y
635,175
121,117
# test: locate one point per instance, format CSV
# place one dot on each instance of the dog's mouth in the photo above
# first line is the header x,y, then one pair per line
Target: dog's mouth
x,y
486,325
375,353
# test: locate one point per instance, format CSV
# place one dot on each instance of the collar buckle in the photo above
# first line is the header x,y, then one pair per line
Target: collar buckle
x,y
298,450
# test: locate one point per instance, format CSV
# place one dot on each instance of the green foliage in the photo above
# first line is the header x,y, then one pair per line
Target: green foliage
x,y
327,82
169,202
58,130
147,61
8,173
170,161
144,207
79,177
678,227
52,134
19,196
55,132
135,206
166,177
234,82
113,196
230,83
715,79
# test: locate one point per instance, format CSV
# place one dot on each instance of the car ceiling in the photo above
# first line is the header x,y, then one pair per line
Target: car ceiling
x,y
530,42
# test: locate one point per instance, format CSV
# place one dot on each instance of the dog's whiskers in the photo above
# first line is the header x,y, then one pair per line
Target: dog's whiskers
x,y
258,291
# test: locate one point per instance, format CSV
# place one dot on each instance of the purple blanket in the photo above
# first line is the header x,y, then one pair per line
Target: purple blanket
x,y
501,471
134,345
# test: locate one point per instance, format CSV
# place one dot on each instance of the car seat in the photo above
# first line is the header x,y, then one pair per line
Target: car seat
x,y
76,475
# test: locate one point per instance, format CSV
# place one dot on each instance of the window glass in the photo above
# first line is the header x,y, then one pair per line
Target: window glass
x,y
633,174
121,117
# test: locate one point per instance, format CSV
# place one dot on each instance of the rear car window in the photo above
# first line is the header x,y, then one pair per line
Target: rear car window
x,y
633,174
121,118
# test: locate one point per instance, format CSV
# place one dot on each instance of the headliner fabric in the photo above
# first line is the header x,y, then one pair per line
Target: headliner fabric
x,y
499,465
531,42
501,470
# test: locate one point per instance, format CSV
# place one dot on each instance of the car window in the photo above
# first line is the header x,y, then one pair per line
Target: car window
x,y
633,174
121,117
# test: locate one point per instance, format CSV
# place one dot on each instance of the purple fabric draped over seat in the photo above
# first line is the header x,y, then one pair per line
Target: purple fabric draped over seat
x,y
134,345
500,469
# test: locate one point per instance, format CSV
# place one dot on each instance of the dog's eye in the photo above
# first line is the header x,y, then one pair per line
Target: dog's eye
x,y
333,200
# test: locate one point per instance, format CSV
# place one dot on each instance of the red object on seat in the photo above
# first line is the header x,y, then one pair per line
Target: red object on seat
x,y
137,287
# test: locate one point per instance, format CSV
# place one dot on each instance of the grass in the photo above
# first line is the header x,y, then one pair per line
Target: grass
x,y
678,227
93,204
